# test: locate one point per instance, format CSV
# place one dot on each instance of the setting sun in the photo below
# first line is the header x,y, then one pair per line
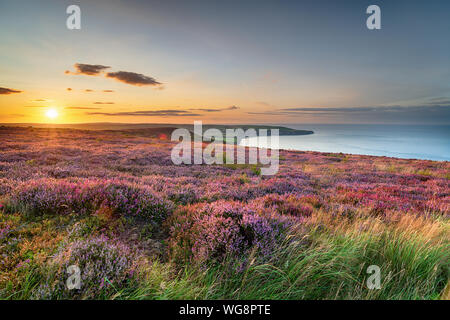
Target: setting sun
x,y
52,113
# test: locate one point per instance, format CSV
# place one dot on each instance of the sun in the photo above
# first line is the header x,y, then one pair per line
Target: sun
x,y
52,113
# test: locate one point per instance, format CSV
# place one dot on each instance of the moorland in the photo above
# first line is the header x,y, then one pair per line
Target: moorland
x,y
139,227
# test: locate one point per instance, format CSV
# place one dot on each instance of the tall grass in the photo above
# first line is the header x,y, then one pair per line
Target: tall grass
x,y
323,258
325,262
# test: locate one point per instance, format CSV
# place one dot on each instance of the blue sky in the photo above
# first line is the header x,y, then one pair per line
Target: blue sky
x,y
275,61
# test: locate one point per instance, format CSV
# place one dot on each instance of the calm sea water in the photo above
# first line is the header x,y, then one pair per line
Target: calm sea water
x,y
400,141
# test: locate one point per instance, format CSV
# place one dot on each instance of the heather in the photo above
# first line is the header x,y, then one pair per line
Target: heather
x,y
213,231
105,267
52,196
141,227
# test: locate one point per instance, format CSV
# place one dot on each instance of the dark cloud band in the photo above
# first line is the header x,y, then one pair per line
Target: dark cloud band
x,y
8,91
82,108
147,113
133,78
215,110
88,69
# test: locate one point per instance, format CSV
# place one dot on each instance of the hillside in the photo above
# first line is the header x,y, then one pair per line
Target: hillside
x,y
284,131
140,227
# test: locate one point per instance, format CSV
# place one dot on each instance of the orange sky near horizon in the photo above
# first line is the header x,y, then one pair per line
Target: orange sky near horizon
x,y
80,98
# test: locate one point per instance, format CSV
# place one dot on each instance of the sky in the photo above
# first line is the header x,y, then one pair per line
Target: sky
x,y
225,62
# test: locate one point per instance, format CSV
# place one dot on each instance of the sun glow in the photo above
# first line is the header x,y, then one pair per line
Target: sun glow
x,y
52,113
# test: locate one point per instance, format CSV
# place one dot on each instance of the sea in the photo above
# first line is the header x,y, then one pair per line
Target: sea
x,y
430,142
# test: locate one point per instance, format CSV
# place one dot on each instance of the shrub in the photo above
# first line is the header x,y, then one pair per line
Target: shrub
x,y
105,268
50,196
210,232
291,204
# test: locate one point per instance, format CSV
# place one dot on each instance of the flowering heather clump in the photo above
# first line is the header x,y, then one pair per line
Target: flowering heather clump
x,y
87,196
283,185
264,233
5,186
210,232
291,204
380,198
105,266
184,195
4,231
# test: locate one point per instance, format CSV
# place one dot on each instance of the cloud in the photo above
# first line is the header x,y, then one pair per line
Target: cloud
x,y
206,110
40,100
133,78
147,113
88,69
69,89
108,90
325,109
36,106
103,102
425,113
8,91
267,113
215,110
88,90
375,109
439,101
82,108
